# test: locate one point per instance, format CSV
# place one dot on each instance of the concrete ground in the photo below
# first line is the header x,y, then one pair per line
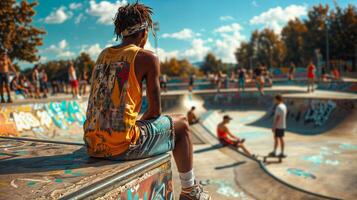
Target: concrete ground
x,y
215,170
323,163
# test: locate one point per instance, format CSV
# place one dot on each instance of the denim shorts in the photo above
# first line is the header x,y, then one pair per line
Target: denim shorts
x,y
156,137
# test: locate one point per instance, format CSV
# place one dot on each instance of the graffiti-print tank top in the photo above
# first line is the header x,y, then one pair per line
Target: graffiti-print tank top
x,y
114,103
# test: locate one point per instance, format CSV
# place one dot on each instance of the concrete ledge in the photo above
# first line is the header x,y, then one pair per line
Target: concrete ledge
x,y
35,169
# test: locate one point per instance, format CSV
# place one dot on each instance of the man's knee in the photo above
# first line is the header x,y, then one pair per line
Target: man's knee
x,y
181,125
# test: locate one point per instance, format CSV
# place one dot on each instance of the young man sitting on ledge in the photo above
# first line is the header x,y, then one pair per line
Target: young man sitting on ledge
x,y
112,129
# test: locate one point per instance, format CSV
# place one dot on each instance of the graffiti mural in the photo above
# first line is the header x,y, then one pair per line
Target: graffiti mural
x,y
319,112
43,120
155,184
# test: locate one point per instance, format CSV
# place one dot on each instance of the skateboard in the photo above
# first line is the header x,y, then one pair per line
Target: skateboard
x,y
272,159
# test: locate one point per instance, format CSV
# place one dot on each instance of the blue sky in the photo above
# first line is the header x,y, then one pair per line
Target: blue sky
x,y
188,28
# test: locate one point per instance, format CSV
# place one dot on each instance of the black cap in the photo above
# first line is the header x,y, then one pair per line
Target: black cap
x,y
227,117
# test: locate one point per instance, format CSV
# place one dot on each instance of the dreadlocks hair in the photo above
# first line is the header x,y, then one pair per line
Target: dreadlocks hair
x,y
131,15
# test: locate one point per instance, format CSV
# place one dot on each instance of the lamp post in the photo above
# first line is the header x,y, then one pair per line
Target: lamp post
x,y
156,28
327,46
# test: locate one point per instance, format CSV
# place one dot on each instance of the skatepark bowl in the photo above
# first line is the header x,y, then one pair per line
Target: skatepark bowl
x,y
42,154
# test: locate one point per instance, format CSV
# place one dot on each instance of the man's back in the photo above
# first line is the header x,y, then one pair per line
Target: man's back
x,y
281,111
114,102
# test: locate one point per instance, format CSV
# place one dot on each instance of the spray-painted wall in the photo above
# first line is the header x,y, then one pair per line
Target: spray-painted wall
x,y
52,120
156,184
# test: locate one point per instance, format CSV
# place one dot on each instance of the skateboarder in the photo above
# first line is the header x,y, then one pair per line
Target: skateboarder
x,y
279,125
227,138
112,128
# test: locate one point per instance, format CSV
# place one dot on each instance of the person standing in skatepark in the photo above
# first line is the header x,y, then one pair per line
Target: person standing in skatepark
x,y
279,125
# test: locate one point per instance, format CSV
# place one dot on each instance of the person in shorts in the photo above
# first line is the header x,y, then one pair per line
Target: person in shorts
x,y
279,125
36,81
5,67
226,138
73,81
113,129
311,70
43,83
241,79
191,82
163,82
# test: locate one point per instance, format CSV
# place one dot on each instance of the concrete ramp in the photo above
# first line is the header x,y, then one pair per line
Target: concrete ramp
x,y
252,176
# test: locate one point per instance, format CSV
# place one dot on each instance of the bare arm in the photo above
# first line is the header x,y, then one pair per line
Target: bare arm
x,y
229,133
152,88
11,66
276,121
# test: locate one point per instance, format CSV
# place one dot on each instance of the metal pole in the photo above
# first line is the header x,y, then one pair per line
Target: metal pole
x,y
327,48
156,29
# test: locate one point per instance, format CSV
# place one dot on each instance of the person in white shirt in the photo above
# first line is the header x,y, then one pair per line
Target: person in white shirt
x,y
279,125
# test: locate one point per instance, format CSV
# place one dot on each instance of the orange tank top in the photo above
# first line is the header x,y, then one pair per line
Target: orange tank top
x,y
114,103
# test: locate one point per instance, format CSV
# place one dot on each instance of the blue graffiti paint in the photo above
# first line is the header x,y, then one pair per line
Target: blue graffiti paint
x,y
58,180
31,183
69,171
252,134
301,173
348,146
226,189
316,159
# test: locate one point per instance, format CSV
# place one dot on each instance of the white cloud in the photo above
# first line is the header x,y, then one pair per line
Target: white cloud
x,y
79,18
163,55
66,54
104,10
228,28
93,50
58,16
61,50
42,59
230,39
197,51
75,6
184,34
276,18
226,18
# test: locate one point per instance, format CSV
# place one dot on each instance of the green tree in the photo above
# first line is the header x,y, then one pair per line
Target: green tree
x,y
17,35
175,67
243,54
84,63
270,50
264,47
211,64
316,23
343,33
293,37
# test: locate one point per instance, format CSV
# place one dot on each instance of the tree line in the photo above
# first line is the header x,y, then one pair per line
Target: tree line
x,y
325,33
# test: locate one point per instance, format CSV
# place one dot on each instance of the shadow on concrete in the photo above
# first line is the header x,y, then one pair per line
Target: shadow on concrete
x,y
76,160
230,165
211,148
